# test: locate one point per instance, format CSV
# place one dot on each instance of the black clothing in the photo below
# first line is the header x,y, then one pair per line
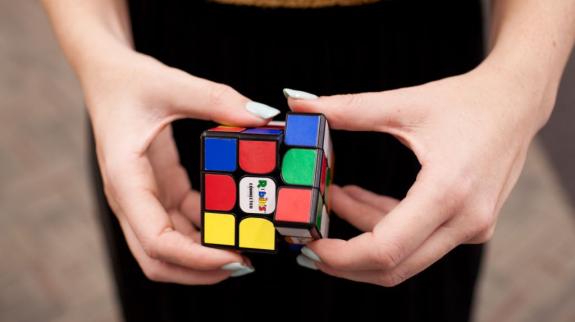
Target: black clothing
x,y
325,51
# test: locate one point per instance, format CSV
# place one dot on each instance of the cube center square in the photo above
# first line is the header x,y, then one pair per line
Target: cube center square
x,y
257,195
258,184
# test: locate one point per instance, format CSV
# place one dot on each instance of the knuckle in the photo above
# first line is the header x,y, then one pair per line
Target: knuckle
x,y
483,219
340,111
353,100
151,248
485,235
219,94
154,272
388,255
454,191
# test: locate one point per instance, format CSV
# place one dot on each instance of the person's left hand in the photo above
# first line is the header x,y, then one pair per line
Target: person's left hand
x,y
470,133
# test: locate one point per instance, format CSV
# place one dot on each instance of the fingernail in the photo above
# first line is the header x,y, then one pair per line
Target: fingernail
x,y
262,110
242,272
304,261
298,95
309,253
234,266
238,269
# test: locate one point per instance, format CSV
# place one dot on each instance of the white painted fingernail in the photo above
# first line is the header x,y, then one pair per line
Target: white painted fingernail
x,y
298,95
235,266
309,253
304,261
261,110
238,269
242,272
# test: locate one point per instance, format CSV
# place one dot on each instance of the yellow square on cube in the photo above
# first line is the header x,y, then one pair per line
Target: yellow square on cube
x,y
219,229
257,233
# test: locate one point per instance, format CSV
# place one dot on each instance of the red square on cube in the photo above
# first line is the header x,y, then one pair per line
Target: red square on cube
x,y
294,205
219,192
258,156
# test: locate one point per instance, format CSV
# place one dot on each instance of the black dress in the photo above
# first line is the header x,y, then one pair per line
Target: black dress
x,y
259,51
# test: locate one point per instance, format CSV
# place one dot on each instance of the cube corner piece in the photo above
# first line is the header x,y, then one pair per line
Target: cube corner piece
x,y
301,215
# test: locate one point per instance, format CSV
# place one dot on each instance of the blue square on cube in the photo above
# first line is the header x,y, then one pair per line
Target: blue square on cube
x,y
302,130
262,131
220,154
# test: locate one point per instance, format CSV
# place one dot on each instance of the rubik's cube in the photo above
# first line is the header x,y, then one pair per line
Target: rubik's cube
x,y
258,184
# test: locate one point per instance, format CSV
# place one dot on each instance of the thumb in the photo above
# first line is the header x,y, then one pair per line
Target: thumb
x,y
370,111
203,99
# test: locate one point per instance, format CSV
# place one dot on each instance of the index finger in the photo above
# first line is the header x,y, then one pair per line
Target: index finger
x,y
369,111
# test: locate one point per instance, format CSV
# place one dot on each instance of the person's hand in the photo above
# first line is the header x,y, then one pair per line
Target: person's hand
x,y
470,133
132,101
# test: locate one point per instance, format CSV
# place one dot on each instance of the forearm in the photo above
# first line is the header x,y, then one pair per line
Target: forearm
x,y
532,40
90,32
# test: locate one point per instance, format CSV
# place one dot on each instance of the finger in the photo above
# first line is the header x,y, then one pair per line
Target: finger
x,y
438,245
170,176
361,215
166,272
397,235
191,207
383,203
184,225
372,111
207,100
135,192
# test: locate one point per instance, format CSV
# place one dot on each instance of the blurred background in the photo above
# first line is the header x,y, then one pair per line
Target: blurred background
x,y
52,263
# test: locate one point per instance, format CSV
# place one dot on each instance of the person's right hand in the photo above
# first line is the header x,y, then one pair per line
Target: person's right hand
x,y
132,100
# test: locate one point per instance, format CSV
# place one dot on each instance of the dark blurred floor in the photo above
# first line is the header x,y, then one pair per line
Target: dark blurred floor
x,y
52,264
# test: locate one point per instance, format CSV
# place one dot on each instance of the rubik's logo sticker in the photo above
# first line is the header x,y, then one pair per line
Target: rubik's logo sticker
x,y
260,183
257,195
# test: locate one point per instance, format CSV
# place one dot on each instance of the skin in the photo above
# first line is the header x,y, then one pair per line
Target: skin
x,y
132,99
470,133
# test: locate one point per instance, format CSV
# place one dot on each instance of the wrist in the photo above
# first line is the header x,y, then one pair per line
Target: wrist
x,y
111,76
533,87
95,61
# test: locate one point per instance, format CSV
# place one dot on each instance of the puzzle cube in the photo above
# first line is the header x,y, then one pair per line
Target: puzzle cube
x,y
257,181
